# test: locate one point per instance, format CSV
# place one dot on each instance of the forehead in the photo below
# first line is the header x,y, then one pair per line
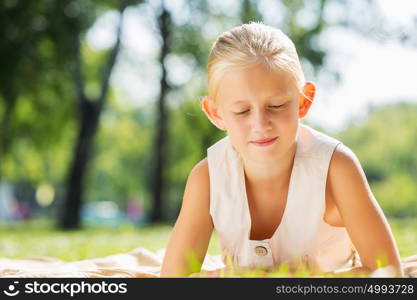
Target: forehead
x,y
255,82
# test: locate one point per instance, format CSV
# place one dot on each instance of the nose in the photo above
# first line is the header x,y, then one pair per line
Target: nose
x,y
261,122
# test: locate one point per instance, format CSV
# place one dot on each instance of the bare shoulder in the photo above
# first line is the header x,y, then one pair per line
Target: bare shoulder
x,y
345,165
200,171
347,180
197,189
198,180
342,162
343,156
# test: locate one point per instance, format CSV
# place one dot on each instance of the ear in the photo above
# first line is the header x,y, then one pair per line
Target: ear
x,y
306,99
212,112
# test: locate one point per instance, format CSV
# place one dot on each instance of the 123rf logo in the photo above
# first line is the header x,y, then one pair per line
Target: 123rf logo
x,y
11,289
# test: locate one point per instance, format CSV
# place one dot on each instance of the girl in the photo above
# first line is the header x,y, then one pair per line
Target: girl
x,y
275,190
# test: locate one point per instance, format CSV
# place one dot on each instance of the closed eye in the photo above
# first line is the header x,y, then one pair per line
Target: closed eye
x,y
272,106
242,112
277,106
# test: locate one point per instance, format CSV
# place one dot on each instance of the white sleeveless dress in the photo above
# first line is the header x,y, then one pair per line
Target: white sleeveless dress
x,y
302,236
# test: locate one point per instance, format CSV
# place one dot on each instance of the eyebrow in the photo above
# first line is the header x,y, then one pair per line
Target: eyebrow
x,y
239,101
267,98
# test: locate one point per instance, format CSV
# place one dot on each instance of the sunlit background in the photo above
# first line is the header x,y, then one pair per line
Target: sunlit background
x,y
101,124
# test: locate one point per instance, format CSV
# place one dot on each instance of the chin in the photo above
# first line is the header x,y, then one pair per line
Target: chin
x,y
264,155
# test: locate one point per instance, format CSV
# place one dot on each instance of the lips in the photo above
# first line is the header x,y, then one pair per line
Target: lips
x,y
265,142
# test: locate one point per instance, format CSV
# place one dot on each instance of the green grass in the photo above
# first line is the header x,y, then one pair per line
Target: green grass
x,y
405,233
33,239
40,238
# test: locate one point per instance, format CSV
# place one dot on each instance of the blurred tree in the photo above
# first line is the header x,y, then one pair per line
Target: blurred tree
x,y
375,24
304,37
188,47
89,115
249,12
122,152
42,44
33,77
180,40
36,89
385,141
158,181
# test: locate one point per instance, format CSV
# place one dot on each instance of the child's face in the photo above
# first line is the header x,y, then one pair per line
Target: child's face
x,y
255,104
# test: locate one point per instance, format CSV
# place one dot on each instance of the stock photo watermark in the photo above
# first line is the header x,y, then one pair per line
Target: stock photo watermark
x,y
71,289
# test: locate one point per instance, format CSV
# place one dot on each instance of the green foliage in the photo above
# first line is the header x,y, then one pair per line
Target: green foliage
x,y
385,141
121,160
36,89
305,38
249,12
397,195
37,98
404,230
190,134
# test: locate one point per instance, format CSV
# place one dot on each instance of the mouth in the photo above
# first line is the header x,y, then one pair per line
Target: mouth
x,y
264,142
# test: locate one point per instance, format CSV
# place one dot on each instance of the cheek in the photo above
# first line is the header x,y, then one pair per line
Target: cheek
x,y
288,121
237,129
232,122
285,124
288,116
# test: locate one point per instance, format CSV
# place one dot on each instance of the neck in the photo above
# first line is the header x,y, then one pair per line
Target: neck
x,y
269,173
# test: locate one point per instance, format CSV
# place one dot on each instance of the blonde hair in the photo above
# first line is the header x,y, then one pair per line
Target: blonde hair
x,y
252,44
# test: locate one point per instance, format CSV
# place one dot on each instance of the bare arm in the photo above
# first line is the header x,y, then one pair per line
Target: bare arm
x,y
361,213
193,228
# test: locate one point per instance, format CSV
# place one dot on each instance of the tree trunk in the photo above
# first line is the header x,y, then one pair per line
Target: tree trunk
x,y
75,183
90,111
160,144
5,136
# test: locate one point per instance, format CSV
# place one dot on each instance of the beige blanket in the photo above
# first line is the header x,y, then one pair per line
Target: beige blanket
x,y
138,263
